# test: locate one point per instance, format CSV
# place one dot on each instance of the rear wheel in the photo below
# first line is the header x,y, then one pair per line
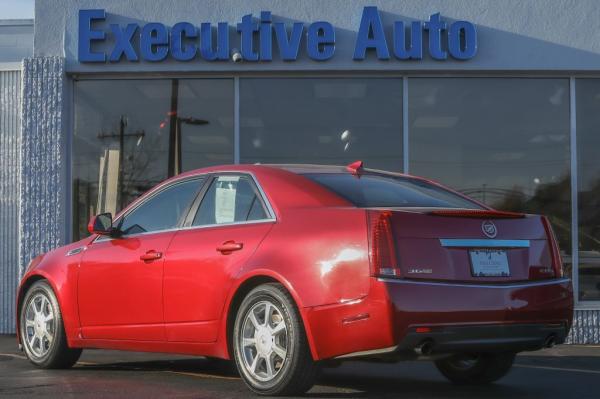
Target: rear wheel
x,y
482,368
42,331
269,343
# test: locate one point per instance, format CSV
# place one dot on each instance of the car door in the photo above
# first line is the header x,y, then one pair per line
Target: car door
x,y
120,293
231,219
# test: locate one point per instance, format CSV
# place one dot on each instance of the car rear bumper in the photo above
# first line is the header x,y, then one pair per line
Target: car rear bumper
x,y
483,338
422,303
452,317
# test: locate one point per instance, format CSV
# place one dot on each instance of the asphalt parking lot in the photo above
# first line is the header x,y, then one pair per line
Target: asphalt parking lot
x,y
562,372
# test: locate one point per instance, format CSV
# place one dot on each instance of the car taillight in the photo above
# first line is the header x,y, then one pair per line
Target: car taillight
x,y
554,251
382,249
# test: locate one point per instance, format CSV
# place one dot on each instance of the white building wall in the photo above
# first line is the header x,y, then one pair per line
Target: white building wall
x,y
514,35
10,132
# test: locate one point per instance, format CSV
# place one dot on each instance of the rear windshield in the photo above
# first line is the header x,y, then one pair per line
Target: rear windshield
x,y
373,190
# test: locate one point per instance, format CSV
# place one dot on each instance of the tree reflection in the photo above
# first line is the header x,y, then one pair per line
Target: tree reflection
x,y
550,199
589,218
131,134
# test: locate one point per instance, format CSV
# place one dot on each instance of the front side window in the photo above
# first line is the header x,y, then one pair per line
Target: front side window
x,y
163,211
380,190
230,199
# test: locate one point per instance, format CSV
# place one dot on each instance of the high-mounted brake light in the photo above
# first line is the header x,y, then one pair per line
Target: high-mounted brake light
x,y
554,250
355,167
382,249
476,213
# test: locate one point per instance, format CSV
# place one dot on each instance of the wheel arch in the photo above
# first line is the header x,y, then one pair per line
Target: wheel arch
x,y
247,284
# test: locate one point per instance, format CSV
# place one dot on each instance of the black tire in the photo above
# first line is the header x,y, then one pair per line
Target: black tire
x,y
483,368
297,372
56,354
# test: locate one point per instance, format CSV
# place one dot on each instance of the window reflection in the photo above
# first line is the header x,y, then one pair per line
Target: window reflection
x,y
322,120
131,134
161,212
588,149
502,141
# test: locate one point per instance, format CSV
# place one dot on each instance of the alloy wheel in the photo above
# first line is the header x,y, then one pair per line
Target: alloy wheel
x,y
39,325
263,341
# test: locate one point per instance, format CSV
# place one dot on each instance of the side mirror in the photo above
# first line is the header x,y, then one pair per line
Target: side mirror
x,y
101,224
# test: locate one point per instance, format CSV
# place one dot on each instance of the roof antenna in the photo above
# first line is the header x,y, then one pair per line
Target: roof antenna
x,y
355,167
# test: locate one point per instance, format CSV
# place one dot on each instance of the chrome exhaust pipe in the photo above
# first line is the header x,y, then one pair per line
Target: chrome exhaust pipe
x,y
424,348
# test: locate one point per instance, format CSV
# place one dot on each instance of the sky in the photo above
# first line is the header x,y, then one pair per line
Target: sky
x,y
16,9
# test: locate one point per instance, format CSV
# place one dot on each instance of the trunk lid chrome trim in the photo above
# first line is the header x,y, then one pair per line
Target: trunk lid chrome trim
x,y
483,243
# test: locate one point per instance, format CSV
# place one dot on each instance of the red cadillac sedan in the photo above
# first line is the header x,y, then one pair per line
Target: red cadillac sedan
x,y
284,268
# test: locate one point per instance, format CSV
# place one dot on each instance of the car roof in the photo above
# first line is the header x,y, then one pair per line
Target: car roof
x,y
309,168
315,168
284,185
293,168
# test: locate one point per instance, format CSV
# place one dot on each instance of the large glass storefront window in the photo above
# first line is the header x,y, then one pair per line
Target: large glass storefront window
x,y
322,120
131,134
588,160
503,141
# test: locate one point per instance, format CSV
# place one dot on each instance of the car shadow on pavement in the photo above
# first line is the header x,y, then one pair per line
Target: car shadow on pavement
x,y
205,366
344,384
389,387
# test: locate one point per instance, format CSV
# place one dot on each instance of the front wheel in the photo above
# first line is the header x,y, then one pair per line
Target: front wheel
x,y
269,343
482,368
42,331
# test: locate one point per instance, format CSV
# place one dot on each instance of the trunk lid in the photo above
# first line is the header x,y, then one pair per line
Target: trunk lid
x,y
471,245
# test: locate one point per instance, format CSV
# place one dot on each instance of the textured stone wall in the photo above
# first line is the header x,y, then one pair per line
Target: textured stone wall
x,y
586,327
42,183
10,130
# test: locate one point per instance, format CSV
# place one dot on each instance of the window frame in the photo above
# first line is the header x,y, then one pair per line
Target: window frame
x,y
258,191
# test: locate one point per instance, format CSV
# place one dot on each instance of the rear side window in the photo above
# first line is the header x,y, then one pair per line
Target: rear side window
x,y
378,190
230,199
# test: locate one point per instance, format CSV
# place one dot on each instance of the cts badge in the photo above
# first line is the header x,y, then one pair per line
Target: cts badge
x,y
489,229
419,271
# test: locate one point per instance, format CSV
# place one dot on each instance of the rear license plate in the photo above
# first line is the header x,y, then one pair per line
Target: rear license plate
x,y
489,263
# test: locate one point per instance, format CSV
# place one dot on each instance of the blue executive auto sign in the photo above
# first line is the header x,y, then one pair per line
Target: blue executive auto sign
x,y
258,37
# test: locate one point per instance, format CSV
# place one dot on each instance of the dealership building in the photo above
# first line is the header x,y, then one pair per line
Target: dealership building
x,y
101,100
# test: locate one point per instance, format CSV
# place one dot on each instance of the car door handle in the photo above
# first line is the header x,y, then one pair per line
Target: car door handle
x,y
151,256
229,246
